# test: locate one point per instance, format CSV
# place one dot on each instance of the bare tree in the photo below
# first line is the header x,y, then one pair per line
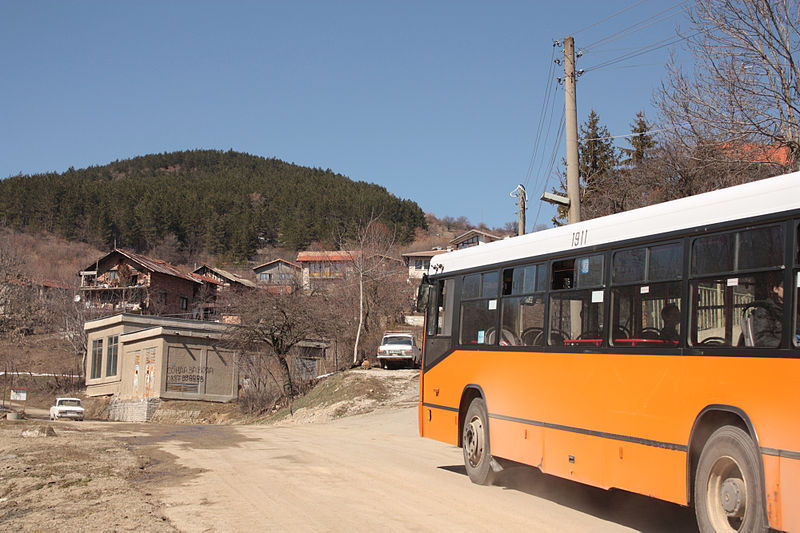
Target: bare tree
x,y
369,251
745,87
271,324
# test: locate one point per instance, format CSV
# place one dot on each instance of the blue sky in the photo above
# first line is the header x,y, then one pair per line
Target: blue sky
x,y
438,101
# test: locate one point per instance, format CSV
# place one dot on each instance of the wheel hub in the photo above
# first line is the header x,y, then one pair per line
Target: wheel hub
x,y
473,438
732,497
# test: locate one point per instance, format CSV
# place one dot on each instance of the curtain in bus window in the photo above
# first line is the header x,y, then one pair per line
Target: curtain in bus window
x,y
739,311
478,319
646,315
523,321
576,318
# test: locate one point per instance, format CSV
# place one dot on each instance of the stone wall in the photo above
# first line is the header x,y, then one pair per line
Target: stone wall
x,y
132,410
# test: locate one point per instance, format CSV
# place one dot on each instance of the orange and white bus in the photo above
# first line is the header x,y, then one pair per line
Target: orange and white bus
x,y
654,351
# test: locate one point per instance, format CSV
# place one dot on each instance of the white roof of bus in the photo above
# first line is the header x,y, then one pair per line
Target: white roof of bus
x,y
772,195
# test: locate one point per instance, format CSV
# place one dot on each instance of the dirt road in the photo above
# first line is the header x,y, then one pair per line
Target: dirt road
x,y
366,473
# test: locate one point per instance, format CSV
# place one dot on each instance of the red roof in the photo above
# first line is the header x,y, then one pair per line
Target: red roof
x,y
759,153
314,257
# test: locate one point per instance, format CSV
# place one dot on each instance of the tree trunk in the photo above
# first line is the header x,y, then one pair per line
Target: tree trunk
x,y
360,316
286,377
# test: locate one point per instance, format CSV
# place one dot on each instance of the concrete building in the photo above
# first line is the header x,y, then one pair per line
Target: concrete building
x,y
140,360
419,263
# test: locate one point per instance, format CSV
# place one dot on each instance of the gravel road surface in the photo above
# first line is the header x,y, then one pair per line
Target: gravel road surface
x,y
366,473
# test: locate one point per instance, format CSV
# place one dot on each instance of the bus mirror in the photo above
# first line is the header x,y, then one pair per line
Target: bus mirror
x,y
423,294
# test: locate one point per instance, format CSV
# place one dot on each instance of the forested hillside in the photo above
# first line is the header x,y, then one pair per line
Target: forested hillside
x,y
210,201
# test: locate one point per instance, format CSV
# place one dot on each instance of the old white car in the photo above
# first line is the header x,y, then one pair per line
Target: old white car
x,y
398,348
67,408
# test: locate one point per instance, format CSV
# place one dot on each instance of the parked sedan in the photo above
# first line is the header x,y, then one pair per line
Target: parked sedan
x,y
67,408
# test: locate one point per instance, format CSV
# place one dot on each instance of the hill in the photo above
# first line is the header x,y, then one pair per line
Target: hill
x,y
224,203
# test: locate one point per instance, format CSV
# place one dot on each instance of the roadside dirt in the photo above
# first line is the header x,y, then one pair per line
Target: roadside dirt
x,y
95,476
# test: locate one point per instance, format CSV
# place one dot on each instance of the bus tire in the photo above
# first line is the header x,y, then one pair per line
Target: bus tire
x,y
728,490
475,444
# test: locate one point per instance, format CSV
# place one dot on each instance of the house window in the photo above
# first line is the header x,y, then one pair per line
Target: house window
x,y
472,241
111,355
264,276
97,357
422,264
112,275
184,303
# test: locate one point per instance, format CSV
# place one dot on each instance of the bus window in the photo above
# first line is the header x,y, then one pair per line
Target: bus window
x,y
522,311
713,254
646,311
479,316
576,315
735,309
796,336
440,309
647,314
576,318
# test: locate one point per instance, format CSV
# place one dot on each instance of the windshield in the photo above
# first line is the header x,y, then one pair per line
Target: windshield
x,y
70,403
398,340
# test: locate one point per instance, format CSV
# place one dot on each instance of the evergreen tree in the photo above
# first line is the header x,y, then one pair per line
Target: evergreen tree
x,y
641,142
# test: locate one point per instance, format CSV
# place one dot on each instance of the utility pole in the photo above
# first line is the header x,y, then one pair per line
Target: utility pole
x,y
520,193
571,128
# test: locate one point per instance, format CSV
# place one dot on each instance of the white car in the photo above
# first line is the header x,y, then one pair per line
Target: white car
x,y
399,349
67,408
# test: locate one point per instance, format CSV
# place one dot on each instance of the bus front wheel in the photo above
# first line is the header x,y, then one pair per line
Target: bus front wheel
x,y
475,443
728,492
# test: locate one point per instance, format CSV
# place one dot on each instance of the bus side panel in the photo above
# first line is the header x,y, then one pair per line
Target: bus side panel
x,y
439,424
790,494
649,470
772,474
621,398
597,461
516,441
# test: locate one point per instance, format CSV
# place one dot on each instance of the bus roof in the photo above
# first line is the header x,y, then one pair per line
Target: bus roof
x,y
758,198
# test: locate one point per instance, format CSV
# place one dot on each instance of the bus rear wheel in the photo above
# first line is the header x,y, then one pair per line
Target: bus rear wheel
x,y
475,444
728,491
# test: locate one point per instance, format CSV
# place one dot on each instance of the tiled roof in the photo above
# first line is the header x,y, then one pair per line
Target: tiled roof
x,y
293,265
325,256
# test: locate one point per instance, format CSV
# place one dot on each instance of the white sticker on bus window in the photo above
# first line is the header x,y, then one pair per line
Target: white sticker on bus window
x,y
733,282
597,297
481,336
644,290
492,305
585,266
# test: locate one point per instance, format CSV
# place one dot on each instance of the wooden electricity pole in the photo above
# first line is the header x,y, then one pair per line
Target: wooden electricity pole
x,y
571,128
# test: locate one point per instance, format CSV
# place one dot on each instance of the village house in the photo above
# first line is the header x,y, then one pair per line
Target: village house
x,y
141,360
215,281
419,263
278,276
319,268
472,237
123,281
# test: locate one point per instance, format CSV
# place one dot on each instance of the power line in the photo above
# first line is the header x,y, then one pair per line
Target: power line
x,y
609,17
638,26
637,52
547,95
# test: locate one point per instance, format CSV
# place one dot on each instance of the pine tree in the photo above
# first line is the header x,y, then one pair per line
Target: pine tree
x,y
642,142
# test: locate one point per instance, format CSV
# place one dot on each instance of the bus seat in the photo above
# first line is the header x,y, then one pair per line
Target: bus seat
x,y
747,324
